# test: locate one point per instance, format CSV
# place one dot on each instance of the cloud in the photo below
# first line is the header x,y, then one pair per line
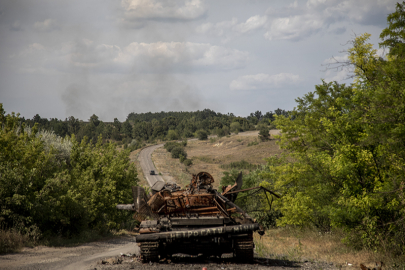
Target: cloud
x,y
168,57
230,29
163,9
216,29
263,81
252,23
16,26
293,28
298,22
46,26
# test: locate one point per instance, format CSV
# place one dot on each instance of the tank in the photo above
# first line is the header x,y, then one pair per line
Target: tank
x,y
196,220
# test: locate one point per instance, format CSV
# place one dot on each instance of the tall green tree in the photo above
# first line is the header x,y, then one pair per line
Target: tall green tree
x,y
346,150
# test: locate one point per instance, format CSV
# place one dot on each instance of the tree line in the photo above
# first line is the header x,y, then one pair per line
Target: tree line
x,y
149,127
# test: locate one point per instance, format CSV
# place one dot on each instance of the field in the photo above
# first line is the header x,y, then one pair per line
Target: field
x,y
211,154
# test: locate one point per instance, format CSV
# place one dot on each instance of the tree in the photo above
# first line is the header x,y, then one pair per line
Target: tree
x,y
264,133
394,35
235,127
172,135
94,120
345,163
73,125
127,129
258,115
178,151
117,125
202,134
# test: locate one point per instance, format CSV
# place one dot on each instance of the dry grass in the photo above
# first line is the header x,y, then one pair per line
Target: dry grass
x,y
133,156
11,241
293,244
210,154
170,168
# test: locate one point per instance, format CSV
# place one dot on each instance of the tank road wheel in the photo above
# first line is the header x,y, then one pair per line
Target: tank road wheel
x,y
244,248
150,251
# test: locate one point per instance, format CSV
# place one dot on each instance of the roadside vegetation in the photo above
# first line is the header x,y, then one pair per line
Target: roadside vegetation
x,y
52,186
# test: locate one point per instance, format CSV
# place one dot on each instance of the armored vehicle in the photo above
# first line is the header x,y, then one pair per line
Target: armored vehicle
x,y
195,220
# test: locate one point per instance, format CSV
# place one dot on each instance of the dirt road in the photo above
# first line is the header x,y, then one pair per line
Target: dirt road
x,y
145,159
68,258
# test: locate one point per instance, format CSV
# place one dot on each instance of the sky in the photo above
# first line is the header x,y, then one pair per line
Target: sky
x,y
110,58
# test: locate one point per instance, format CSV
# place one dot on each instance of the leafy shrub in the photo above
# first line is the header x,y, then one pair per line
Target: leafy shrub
x,y
43,189
172,135
177,151
201,134
169,146
184,142
188,162
235,127
264,133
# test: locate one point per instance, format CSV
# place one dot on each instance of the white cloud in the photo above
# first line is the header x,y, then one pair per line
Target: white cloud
x,y
263,81
216,29
163,9
293,28
297,22
170,57
252,23
229,29
46,26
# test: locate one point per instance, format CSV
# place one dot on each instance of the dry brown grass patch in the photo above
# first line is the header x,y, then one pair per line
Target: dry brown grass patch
x,y
209,155
170,168
11,241
299,245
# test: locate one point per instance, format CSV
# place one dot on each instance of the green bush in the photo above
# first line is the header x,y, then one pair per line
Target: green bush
x,y
264,133
235,127
169,146
201,134
178,151
60,186
172,135
188,162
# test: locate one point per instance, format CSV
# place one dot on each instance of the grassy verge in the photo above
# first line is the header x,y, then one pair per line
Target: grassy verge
x,y
311,245
170,168
12,241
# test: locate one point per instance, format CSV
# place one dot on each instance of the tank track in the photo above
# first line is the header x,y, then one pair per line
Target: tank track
x,y
150,251
243,248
